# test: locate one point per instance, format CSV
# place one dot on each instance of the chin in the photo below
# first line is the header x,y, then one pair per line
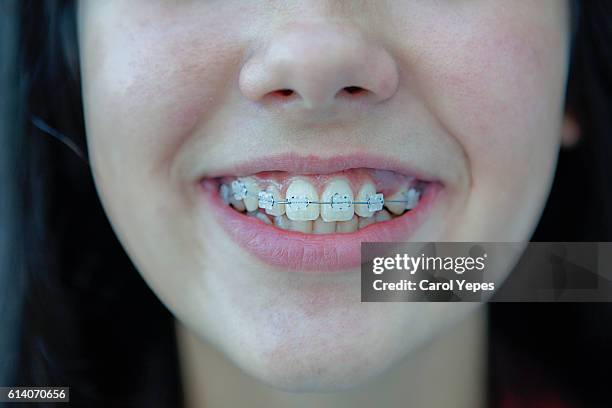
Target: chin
x,y
342,350
305,369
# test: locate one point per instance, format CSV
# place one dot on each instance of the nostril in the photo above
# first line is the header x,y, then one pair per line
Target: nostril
x,y
354,90
280,96
287,94
283,92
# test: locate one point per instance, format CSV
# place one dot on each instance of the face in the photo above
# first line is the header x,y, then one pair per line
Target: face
x,y
198,113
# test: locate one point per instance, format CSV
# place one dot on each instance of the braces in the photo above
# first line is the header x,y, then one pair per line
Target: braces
x,y
266,200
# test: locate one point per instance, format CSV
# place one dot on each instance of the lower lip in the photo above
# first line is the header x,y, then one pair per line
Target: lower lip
x,y
299,252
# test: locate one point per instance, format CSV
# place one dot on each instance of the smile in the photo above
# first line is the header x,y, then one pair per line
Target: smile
x,y
315,222
339,203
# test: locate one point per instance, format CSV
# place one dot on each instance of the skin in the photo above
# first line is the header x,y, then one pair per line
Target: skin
x,y
171,92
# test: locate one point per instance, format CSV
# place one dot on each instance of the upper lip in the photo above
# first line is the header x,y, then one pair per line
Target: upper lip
x,y
310,164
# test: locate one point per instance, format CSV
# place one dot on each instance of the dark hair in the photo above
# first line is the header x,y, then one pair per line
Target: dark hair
x,y
75,311
81,314
569,345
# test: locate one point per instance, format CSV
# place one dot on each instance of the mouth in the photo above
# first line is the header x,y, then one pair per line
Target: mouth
x,y
315,221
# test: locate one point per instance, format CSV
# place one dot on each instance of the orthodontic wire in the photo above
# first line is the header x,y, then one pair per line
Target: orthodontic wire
x,y
335,202
288,202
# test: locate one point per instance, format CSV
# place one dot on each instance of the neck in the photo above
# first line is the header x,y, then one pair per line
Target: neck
x,y
450,371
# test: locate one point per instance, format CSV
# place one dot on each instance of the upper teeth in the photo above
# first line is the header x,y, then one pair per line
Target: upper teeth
x,y
239,189
366,191
412,198
302,202
375,202
396,202
252,190
339,196
272,200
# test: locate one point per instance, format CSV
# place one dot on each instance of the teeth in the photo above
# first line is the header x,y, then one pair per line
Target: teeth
x,y
282,222
364,193
339,195
286,224
347,226
300,196
266,200
300,209
239,190
375,202
364,222
224,192
264,218
412,198
260,216
251,201
397,208
237,204
269,200
301,226
382,216
321,227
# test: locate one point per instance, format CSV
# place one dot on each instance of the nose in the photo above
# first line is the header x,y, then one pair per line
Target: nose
x,y
317,66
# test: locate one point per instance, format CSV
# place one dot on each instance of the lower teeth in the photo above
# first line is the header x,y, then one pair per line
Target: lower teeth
x,y
319,226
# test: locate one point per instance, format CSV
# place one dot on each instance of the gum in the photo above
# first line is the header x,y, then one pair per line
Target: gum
x,y
386,182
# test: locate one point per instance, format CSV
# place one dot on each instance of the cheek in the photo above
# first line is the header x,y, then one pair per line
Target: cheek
x,y
150,81
504,98
497,87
